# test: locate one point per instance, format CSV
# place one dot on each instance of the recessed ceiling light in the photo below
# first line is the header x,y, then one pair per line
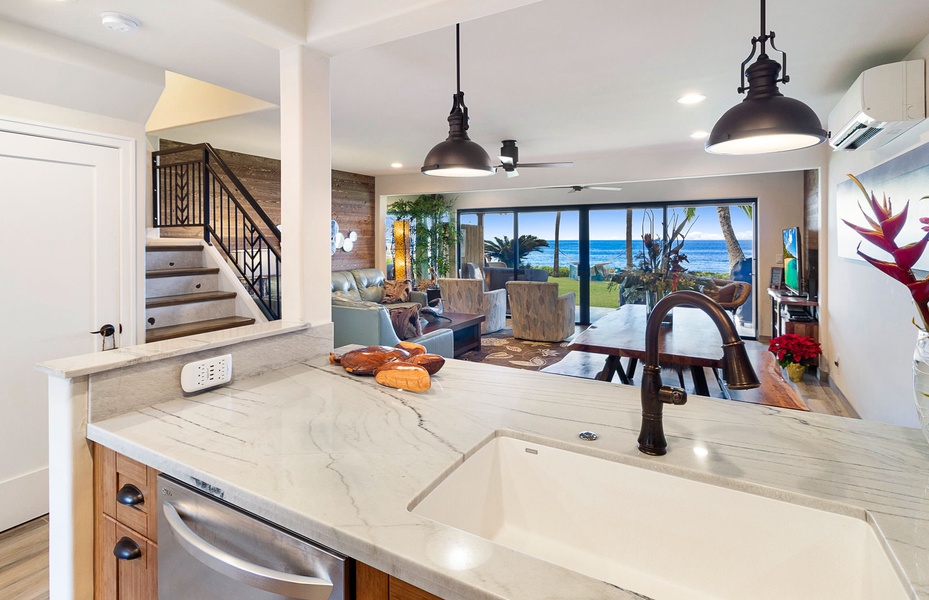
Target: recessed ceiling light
x,y
699,135
119,22
396,165
691,98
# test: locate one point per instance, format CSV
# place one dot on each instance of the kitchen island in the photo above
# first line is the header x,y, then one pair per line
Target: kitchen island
x,y
340,459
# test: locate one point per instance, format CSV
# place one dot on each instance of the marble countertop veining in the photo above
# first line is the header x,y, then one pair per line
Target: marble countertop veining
x,y
339,458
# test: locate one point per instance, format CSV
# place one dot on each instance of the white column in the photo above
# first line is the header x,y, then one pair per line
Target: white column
x,y
71,492
306,186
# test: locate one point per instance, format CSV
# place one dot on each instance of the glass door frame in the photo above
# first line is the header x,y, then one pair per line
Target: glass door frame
x,y
583,210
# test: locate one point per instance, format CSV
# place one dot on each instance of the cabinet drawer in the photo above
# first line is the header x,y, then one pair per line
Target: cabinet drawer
x,y
125,491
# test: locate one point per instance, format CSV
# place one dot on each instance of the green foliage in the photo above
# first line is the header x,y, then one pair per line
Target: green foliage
x,y
659,267
600,293
433,233
505,250
562,271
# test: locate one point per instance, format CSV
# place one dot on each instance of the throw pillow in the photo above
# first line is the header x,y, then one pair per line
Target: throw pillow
x,y
396,291
405,320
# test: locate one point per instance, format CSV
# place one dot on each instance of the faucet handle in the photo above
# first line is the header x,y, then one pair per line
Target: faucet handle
x,y
672,395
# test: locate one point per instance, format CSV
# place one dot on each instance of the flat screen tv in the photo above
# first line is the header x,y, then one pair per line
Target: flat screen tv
x,y
793,260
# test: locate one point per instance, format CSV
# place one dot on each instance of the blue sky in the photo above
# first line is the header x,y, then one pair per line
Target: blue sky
x,y
608,224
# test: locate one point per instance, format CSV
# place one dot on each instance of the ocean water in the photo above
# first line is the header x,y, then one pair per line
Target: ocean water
x,y
702,255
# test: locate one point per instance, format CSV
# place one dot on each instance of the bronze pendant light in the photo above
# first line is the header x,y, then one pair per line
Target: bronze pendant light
x,y
458,156
766,120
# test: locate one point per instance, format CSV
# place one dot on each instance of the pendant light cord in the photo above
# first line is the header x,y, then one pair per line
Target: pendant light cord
x,y
458,54
763,38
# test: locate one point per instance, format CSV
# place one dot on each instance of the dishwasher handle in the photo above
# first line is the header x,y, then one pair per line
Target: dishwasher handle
x,y
243,571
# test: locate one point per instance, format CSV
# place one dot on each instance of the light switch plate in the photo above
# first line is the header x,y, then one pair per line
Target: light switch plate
x,y
207,373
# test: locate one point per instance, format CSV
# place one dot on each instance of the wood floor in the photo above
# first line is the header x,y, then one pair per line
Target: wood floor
x,y
24,561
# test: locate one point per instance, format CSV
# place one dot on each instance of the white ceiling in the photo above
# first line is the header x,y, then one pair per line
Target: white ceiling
x,y
569,79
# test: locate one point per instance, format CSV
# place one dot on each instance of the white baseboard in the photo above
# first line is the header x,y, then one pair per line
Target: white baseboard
x,y
23,498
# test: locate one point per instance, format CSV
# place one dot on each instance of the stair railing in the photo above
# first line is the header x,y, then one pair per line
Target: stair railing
x,y
203,192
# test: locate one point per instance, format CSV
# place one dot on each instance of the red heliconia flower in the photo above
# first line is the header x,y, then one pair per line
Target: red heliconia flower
x,y
882,233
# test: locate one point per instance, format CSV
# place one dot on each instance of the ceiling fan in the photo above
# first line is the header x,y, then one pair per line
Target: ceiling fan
x,y
580,188
509,160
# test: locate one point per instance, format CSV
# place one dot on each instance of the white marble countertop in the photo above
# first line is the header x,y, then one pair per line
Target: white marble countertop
x,y
339,458
99,362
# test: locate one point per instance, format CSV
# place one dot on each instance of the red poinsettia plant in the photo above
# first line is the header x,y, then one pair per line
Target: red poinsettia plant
x,y
883,232
792,348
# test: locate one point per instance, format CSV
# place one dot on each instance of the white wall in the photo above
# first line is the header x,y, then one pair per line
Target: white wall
x,y
780,198
58,88
869,329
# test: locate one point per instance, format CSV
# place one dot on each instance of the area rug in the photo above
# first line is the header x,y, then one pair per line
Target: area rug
x,y
501,348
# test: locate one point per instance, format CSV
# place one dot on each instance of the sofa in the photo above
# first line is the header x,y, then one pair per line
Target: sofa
x,y
360,317
367,285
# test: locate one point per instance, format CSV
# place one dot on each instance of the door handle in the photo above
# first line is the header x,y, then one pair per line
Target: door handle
x,y
129,495
247,573
106,331
127,549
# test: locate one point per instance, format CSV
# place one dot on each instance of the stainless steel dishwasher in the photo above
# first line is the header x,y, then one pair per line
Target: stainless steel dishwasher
x,y
209,549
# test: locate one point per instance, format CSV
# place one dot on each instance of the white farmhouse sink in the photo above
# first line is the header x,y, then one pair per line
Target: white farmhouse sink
x,y
659,535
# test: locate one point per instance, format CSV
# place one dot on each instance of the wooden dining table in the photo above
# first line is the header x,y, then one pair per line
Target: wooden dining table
x,y
691,340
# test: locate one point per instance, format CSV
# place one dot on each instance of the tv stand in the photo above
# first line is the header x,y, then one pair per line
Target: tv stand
x,y
791,313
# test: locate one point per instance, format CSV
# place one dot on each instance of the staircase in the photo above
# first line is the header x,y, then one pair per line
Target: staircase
x,y
194,187
183,297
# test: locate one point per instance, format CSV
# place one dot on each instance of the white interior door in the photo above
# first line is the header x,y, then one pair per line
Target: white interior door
x,y
59,269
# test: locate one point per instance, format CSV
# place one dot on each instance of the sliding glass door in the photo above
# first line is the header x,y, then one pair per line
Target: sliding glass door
x,y
720,247
585,249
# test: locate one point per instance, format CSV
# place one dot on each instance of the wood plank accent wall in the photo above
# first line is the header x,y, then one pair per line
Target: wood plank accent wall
x,y
352,201
811,208
353,208
811,226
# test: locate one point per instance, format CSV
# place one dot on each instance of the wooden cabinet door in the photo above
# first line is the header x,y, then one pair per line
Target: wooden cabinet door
x,y
133,578
130,579
372,584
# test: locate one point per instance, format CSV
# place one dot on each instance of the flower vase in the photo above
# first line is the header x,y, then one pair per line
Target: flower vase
x,y
795,372
651,300
921,380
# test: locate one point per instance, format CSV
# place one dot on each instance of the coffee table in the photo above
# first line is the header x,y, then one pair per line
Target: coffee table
x,y
465,327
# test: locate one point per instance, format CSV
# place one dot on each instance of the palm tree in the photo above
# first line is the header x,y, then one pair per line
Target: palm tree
x,y
732,243
628,238
505,250
557,235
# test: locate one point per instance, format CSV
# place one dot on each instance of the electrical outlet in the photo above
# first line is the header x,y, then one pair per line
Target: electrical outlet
x,y
207,373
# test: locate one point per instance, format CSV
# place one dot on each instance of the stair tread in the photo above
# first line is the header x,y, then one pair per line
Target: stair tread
x,y
181,272
187,299
174,248
157,334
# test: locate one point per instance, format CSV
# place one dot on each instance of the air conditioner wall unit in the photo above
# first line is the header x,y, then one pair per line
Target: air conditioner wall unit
x,y
883,102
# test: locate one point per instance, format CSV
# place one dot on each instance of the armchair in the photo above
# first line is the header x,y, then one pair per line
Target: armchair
x,y
539,313
368,324
468,296
731,295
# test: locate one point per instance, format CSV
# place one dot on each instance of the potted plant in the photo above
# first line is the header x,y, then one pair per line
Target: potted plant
x,y
659,267
795,353
433,235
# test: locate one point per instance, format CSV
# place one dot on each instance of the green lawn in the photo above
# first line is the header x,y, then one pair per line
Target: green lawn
x,y
599,295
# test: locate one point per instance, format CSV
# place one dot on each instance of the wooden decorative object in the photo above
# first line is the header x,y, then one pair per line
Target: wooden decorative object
x,y
777,275
404,376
